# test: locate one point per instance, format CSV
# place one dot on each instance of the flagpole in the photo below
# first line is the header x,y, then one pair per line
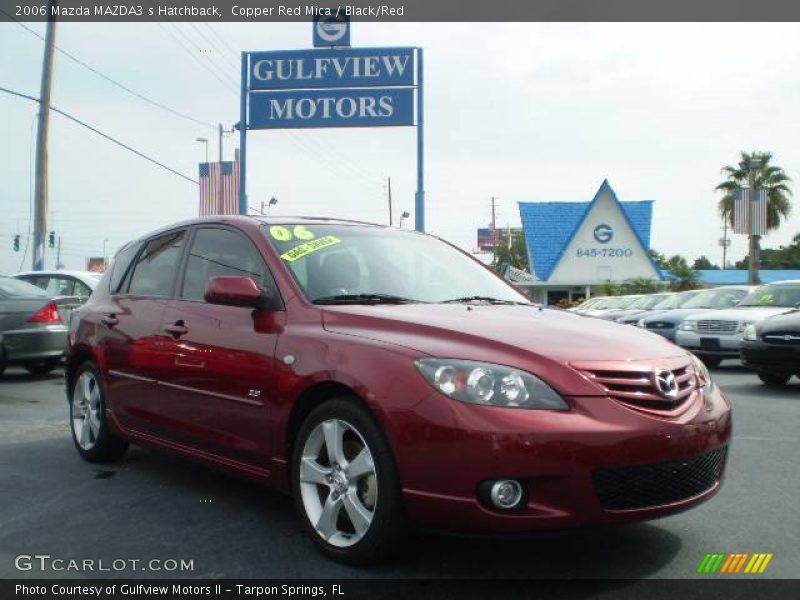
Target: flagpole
x,y
752,267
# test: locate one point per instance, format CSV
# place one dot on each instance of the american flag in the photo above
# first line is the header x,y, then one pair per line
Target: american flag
x,y
759,208
219,195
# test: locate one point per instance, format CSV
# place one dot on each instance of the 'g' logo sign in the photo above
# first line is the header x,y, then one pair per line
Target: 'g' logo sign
x,y
603,233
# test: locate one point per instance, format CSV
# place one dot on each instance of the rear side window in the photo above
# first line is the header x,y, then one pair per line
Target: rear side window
x,y
157,267
82,290
9,288
121,266
218,252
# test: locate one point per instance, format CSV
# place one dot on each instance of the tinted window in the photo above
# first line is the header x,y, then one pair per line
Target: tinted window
x,y
774,295
157,268
219,252
120,266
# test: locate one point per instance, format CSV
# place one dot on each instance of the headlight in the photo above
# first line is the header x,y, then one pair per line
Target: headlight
x,y
489,385
749,333
703,376
743,325
640,323
687,325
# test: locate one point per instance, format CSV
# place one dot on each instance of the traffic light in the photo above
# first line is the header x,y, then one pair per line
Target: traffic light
x,y
16,243
51,239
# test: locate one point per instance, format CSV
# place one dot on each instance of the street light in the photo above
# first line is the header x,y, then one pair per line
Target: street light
x,y
403,217
203,140
272,202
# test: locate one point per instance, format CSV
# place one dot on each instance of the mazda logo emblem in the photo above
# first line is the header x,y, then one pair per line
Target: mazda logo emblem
x,y
666,384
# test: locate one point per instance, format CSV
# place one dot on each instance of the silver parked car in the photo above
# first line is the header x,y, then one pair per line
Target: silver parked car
x,y
63,283
33,326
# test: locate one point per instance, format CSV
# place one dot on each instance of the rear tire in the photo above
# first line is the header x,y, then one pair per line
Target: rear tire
x,y
710,361
774,379
42,367
90,430
349,503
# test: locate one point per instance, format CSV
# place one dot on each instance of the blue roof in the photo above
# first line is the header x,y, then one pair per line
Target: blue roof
x,y
550,226
739,276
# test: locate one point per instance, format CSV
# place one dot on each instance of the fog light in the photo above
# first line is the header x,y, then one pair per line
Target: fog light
x,y
506,493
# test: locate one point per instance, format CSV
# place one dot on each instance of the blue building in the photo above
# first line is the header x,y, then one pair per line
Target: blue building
x,y
575,245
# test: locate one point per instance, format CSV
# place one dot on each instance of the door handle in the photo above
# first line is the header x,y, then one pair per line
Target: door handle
x,y
109,320
177,329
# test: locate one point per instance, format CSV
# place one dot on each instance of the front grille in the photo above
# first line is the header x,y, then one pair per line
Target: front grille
x,y
723,327
782,338
641,486
659,325
637,387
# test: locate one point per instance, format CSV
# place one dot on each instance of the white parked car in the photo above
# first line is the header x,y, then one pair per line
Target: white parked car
x,y
717,335
63,283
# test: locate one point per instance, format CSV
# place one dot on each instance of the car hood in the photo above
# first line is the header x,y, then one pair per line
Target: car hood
x,y
789,321
498,332
744,313
675,315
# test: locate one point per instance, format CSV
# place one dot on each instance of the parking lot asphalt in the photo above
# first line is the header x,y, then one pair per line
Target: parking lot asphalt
x,y
154,506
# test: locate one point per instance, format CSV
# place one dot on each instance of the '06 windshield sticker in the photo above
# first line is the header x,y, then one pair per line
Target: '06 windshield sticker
x,y
280,233
302,233
309,247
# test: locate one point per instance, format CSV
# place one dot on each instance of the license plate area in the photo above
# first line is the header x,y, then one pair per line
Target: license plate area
x,y
707,343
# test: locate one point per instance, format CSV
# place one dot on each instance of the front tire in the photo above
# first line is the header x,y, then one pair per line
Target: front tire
x,y
90,431
345,484
774,379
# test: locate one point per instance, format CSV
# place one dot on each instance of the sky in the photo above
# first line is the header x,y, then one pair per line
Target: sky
x,y
519,111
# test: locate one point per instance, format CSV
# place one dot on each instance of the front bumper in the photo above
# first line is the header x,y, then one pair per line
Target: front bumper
x,y
722,346
561,458
771,358
36,343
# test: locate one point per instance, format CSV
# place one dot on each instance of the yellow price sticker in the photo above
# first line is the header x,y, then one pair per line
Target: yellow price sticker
x,y
280,233
304,250
302,233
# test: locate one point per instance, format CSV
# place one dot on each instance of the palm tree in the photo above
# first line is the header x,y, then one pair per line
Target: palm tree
x,y
769,177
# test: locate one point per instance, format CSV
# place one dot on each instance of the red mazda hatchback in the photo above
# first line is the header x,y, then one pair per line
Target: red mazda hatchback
x,y
383,376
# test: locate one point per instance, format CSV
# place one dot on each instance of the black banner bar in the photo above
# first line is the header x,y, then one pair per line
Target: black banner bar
x,y
266,11
733,588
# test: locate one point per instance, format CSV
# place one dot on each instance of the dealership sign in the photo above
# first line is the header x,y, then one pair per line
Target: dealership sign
x,y
357,87
336,86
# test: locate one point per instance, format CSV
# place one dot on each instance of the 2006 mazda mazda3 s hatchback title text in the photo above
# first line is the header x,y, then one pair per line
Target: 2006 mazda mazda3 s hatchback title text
x,y
383,376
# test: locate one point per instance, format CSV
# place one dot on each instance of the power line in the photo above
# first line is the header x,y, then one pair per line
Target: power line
x,y
102,134
194,56
122,86
206,55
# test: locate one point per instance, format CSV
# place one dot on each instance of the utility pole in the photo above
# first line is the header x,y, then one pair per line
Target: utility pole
x,y
40,187
494,223
389,183
58,254
752,255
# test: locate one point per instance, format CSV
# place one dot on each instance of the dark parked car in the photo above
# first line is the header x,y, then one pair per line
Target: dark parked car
x,y
383,376
33,326
772,348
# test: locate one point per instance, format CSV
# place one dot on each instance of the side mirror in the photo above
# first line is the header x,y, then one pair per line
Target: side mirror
x,y
237,291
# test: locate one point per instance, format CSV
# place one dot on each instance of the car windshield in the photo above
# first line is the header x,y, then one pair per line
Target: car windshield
x,y
716,299
774,295
624,302
354,264
653,301
10,287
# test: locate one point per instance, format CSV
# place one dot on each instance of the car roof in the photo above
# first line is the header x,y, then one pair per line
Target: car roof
x,y
90,278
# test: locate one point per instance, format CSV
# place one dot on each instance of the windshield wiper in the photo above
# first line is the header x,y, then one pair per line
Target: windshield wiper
x,y
363,299
487,299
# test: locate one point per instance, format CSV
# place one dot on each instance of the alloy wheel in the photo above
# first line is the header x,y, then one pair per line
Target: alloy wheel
x,y
338,482
85,410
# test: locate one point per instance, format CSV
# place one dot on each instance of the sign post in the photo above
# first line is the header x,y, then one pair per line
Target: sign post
x,y
326,87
